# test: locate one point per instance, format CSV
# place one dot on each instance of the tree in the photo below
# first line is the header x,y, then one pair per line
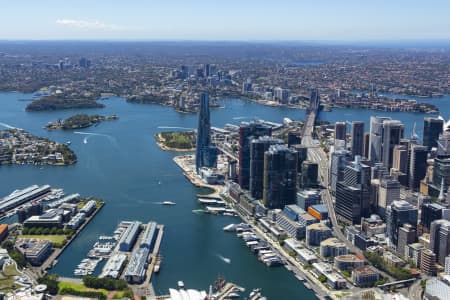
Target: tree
x,y
322,278
51,281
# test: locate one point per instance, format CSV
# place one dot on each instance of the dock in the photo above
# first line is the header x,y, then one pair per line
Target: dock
x,y
57,252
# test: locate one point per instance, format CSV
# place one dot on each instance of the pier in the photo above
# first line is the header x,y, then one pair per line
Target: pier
x,y
57,252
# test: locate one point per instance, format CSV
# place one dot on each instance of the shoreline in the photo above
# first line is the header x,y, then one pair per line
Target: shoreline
x,y
319,289
160,143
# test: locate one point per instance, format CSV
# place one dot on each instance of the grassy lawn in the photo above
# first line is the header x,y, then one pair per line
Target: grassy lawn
x,y
80,287
55,239
10,270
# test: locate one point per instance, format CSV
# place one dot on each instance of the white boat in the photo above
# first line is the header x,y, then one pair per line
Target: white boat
x,y
232,296
181,284
168,203
230,227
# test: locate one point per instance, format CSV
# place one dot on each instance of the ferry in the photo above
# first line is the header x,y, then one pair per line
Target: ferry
x,y
157,264
168,203
68,143
180,284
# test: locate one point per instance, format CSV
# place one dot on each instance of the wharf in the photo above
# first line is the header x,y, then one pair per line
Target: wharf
x,y
49,262
227,289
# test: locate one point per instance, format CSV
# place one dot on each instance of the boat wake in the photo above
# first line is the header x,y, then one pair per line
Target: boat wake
x,y
175,127
241,118
7,126
224,259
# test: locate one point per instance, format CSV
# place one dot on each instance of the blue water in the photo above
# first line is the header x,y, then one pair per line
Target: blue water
x,y
122,165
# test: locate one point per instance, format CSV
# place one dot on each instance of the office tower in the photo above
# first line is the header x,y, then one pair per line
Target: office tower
x,y
417,166
340,131
232,170
248,132
376,138
257,149
393,131
206,152
400,158
366,145
246,86
430,212
280,177
281,95
310,173
440,239
207,71
357,138
397,214
388,192
338,161
428,262
432,128
447,266
294,138
353,193
302,155
441,168
407,234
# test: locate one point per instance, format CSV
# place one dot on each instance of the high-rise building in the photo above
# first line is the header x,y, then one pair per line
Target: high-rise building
x,y
357,138
338,161
366,145
428,262
206,152
247,132
417,166
340,131
407,234
432,128
393,131
440,239
398,214
353,193
309,174
302,155
376,138
441,168
294,138
400,159
388,192
430,212
257,149
280,177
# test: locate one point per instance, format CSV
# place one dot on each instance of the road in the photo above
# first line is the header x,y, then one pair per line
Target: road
x,y
415,291
316,154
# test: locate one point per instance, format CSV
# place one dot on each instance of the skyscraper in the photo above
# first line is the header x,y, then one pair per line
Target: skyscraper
x,y
357,138
417,166
338,162
441,168
340,131
388,192
397,214
432,128
393,131
376,138
247,132
366,145
206,152
353,193
257,149
440,239
309,174
280,177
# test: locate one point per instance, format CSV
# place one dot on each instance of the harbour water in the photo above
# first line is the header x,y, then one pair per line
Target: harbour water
x,y
119,162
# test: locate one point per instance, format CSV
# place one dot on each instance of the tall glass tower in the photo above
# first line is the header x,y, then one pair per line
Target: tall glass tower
x,y
206,152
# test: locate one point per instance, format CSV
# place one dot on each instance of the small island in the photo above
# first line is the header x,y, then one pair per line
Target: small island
x,y
176,140
79,121
61,102
21,147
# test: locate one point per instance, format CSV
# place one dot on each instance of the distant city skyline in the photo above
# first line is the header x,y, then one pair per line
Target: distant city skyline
x,y
348,20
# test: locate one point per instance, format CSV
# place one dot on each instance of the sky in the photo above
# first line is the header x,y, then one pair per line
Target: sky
x,y
224,20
